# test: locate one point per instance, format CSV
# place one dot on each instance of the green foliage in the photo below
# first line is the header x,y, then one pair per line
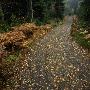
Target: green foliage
x,y
81,40
4,27
82,24
16,21
38,22
45,10
1,13
12,57
40,11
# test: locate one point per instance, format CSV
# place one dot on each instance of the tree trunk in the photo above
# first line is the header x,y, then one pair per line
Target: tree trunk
x,y
1,13
29,10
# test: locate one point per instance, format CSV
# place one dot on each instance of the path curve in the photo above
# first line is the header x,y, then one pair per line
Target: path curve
x,y
55,62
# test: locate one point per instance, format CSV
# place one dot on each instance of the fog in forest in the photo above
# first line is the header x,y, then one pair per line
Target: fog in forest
x,y
71,6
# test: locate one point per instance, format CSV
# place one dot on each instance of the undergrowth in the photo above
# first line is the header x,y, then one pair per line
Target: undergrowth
x,y
12,57
13,21
81,40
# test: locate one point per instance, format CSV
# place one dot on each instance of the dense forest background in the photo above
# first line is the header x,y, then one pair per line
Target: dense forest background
x,y
30,10
84,13
13,12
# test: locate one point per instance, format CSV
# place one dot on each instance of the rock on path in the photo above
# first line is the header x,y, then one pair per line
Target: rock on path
x,y
55,62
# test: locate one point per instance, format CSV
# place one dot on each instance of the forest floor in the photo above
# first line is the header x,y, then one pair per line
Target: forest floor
x,y
54,62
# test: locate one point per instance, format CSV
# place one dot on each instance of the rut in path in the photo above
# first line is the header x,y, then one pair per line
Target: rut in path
x,y
54,62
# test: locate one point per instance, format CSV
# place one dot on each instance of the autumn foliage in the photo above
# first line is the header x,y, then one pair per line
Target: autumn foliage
x,y
74,26
20,36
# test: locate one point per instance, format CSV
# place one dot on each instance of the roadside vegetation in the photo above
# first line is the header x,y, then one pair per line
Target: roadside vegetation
x,y
24,21
21,26
37,14
81,25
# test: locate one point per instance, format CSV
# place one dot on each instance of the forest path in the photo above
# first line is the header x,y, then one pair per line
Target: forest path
x,y
55,62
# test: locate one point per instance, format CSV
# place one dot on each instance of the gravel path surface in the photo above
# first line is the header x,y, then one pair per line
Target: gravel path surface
x,y
54,62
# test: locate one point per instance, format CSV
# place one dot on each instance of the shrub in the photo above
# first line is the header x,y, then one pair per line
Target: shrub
x,y
81,40
4,27
16,21
13,57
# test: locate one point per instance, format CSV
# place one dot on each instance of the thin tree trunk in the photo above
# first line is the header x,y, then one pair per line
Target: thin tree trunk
x,y
1,13
29,10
